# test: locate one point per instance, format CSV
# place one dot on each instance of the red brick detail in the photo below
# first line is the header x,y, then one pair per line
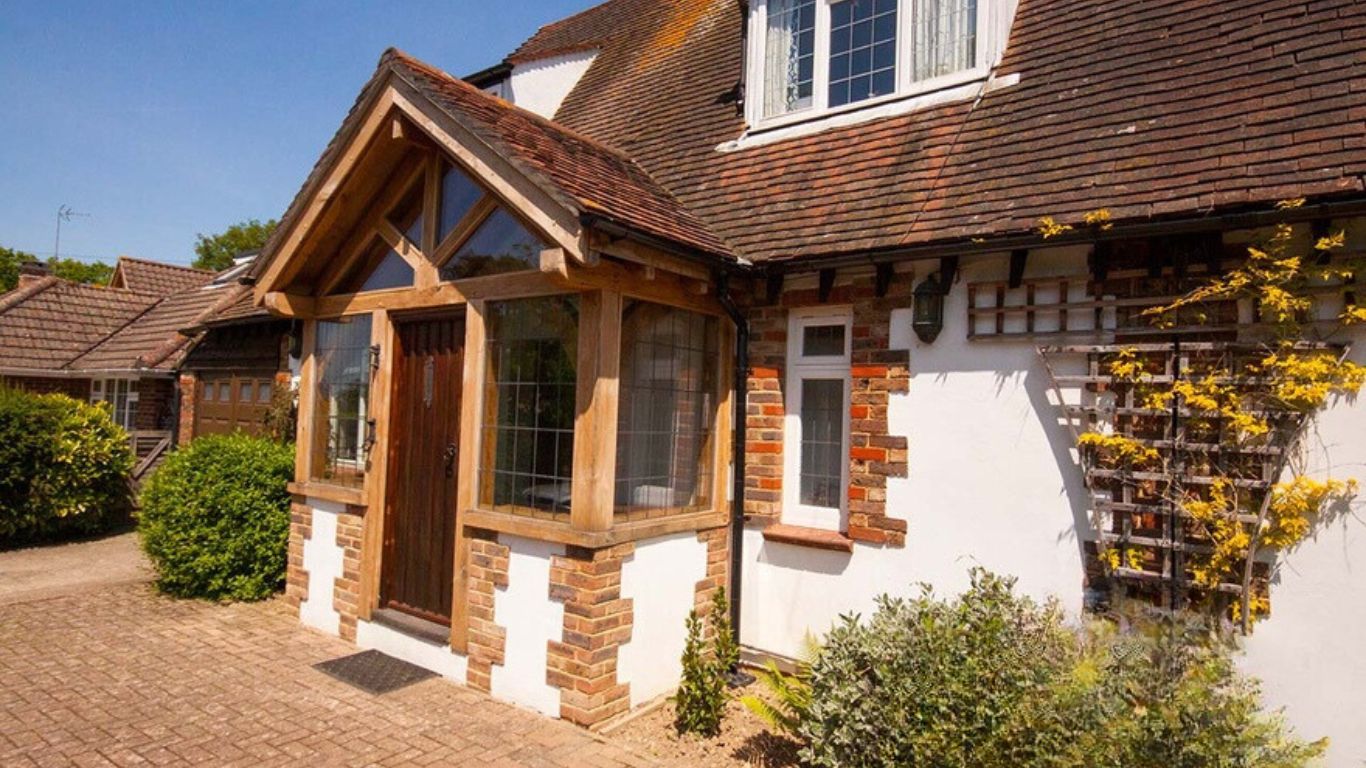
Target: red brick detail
x,y
189,401
718,567
296,578
346,590
597,621
876,372
487,642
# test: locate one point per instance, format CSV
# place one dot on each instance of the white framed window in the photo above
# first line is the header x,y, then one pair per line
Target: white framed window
x,y
122,396
810,57
816,425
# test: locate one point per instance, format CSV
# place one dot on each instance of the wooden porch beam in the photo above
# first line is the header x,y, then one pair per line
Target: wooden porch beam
x,y
290,304
595,423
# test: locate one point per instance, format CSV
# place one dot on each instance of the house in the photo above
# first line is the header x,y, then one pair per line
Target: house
x,y
702,292
138,342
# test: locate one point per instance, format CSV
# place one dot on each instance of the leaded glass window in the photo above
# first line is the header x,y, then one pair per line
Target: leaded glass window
x,y
341,430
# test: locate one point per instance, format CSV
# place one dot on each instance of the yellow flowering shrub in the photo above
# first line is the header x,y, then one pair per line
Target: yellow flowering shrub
x,y
1120,452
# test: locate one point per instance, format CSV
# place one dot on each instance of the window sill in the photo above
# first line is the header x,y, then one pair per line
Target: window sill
x,y
816,538
561,532
354,497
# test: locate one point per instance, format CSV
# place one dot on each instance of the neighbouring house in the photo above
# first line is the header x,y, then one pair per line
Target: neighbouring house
x,y
692,293
127,344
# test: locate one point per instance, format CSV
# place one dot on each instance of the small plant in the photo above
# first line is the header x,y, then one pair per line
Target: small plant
x,y
215,518
724,647
789,696
701,698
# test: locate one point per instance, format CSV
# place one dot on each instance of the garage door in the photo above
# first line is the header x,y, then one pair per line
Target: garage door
x,y
233,403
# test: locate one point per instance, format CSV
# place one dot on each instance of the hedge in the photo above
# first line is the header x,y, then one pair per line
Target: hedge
x,y
215,518
64,467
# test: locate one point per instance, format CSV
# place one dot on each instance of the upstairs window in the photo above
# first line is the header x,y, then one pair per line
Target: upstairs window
x,y
816,55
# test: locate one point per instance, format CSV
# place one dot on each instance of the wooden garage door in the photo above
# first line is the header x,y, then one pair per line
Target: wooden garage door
x,y
233,403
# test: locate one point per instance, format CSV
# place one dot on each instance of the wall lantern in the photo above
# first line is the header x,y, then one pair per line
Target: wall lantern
x,y
927,314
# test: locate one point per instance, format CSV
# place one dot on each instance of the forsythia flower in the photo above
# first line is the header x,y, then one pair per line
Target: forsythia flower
x,y
1049,227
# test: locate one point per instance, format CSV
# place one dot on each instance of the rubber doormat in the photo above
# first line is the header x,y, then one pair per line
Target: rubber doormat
x,y
374,672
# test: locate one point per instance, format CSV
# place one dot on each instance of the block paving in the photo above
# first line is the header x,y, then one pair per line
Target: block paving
x,y
125,677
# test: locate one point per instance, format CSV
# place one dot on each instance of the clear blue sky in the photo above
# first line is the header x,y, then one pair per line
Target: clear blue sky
x,y
166,119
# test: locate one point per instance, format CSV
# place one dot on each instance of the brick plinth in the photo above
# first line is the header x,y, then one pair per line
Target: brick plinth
x,y
597,621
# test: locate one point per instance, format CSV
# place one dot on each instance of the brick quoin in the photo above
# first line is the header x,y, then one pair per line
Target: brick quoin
x,y
597,621
300,530
876,372
189,401
346,591
487,641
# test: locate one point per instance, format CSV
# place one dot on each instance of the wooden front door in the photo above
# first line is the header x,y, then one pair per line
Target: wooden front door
x,y
424,436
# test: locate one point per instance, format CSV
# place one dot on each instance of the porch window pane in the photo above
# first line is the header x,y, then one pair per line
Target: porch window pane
x,y
666,409
340,429
945,37
407,216
380,268
500,244
458,195
790,55
822,441
862,50
527,457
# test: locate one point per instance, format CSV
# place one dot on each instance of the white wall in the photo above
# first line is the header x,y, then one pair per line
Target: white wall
x,y
1309,653
661,581
323,562
532,620
435,656
542,85
993,481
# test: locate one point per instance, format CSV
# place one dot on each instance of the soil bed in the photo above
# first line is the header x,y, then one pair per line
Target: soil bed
x,y
745,740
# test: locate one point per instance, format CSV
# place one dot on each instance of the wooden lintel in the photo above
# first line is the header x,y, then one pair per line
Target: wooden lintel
x,y
289,304
774,288
555,262
883,280
1018,257
639,253
825,285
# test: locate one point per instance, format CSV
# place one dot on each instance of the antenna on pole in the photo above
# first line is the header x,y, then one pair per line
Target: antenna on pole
x,y
64,213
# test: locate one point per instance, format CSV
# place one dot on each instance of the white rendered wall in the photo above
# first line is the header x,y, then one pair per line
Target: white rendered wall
x,y
532,620
542,85
323,563
661,581
993,481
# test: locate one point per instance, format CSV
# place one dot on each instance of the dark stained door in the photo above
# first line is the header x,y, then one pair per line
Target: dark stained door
x,y
424,433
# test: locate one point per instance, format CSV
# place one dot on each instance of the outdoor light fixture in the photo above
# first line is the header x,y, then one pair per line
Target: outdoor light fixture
x,y
927,314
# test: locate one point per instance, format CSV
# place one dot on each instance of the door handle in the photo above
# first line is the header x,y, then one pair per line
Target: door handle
x,y
452,450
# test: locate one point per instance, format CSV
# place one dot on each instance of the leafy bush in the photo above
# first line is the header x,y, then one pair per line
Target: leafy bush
x,y
215,518
64,467
701,698
994,679
724,647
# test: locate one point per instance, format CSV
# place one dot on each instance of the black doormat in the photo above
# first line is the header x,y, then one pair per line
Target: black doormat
x,y
374,672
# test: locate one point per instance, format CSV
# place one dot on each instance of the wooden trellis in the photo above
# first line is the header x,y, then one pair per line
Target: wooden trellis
x,y
1139,511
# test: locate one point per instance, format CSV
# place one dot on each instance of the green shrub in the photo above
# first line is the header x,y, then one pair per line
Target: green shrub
x,y
701,698
994,679
724,647
64,467
215,518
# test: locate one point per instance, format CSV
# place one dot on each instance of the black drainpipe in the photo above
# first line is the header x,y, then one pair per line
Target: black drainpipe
x,y
740,394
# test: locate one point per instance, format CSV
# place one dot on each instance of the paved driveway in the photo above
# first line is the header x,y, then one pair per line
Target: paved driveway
x,y
121,676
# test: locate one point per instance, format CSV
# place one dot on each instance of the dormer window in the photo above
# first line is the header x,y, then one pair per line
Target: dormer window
x,y
818,56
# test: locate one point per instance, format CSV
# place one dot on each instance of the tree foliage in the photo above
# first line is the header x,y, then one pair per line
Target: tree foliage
x,y
10,259
993,679
64,466
90,273
216,252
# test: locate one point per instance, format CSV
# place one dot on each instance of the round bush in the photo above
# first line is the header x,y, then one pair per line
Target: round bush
x,y
64,467
215,518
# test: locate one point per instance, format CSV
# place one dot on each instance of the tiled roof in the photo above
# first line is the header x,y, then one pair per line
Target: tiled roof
x,y
1177,107
156,277
156,339
241,309
50,322
596,179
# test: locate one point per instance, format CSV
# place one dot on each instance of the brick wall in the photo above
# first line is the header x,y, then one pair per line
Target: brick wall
x,y
488,570
597,620
346,590
77,388
189,400
156,404
876,373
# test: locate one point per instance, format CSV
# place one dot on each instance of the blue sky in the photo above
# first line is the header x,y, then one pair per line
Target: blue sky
x,y
166,119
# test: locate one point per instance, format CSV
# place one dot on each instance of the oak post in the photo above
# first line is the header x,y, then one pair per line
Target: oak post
x,y
595,422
